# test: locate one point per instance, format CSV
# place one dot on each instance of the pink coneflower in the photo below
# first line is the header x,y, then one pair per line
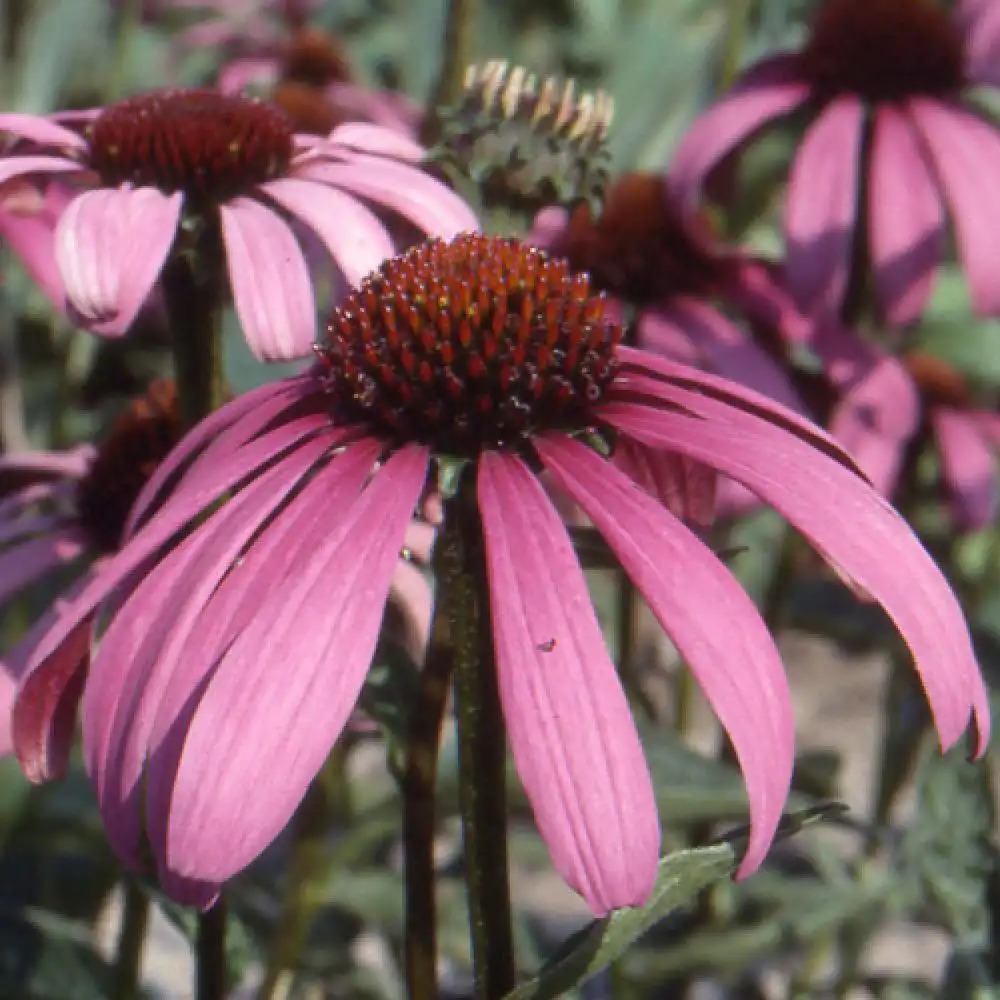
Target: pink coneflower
x,y
231,666
894,143
69,509
163,164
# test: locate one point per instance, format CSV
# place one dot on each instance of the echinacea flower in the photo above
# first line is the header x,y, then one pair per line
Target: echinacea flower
x,y
165,163
894,143
69,509
229,668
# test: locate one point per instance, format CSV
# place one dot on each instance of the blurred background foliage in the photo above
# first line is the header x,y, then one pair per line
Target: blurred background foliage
x,y
320,914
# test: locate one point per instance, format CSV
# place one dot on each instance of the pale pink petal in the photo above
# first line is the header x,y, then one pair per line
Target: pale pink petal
x,y
839,513
968,464
822,206
707,614
548,227
26,562
906,223
980,20
685,487
32,241
416,196
376,139
24,166
248,72
270,281
355,237
43,131
71,463
412,597
571,731
282,692
776,89
386,108
965,151
111,245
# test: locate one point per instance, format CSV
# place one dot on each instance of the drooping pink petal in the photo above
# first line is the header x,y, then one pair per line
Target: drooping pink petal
x,y
250,71
111,245
355,237
968,465
262,729
377,140
775,89
878,411
416,196
839,513
134,664
45,666
754,289
26,562
980,20
267,401
43,131
23,527
965,152
707,614
822,206
23,166
571,731
386,108
685,487
73,462
270,281
906,227
724,348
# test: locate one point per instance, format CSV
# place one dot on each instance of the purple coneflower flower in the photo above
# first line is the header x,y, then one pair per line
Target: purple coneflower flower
x,y
166,161
230,667
69,509
888,84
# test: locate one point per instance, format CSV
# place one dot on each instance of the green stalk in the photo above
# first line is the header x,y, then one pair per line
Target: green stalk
x,y
131,938
210,949
194,291
481,756
457,46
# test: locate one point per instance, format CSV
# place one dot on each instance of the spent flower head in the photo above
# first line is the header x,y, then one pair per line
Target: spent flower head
x,y
203,728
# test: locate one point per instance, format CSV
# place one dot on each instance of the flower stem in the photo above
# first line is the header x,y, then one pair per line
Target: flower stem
x,y
481,757
131,938
211,953
193,288
456,54
420,774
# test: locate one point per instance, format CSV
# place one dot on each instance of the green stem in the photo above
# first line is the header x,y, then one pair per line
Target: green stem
x,y
628,609
327,803
420,774
481,757
737,18
210,971
131,938
457,45
193,290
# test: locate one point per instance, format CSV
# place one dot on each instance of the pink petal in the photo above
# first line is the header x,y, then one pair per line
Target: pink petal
x,y
416,196
707,614
757,293
685,487
570,727
283,691
111,245
354,235
965,151
905,218
248,72
267,401
377,140
23,564
821,207
22,527
725,349
141,651
980,20
43,131
270,282
969,467
386,108
23,166
775,90
72,463
843,517
411,595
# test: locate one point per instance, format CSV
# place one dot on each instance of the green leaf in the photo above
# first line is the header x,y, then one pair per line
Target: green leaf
x,y
682,875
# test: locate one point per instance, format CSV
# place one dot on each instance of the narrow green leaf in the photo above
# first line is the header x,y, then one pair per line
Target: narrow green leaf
x,y
681,877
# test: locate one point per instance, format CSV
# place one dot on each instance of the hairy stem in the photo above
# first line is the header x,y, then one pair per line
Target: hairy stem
x,y
210,971
456,54
131,938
